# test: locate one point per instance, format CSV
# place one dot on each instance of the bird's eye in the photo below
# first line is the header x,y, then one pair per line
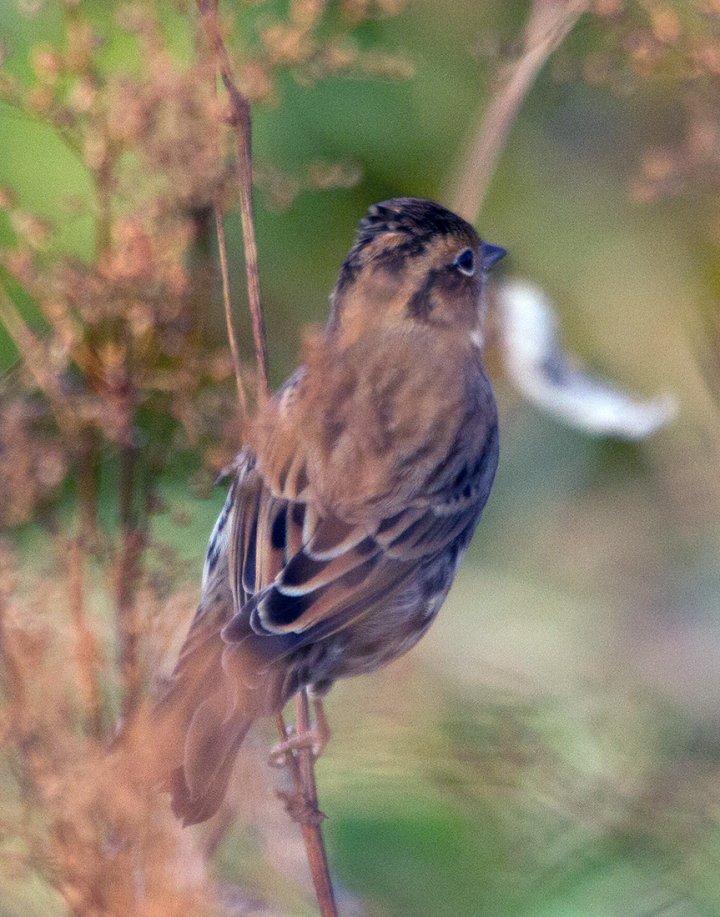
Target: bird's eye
x,y
465,262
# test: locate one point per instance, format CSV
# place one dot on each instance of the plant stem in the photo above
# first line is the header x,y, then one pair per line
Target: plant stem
x,y
311,829
241,122
302,807
549,22
232,340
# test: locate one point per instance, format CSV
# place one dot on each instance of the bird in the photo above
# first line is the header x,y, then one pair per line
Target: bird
x,y
353,500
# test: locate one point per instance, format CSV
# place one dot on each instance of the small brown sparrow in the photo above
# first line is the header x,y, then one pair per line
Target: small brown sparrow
x,y
354,501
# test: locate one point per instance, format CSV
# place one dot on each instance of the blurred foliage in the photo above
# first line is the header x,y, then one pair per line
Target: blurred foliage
x,y
553,746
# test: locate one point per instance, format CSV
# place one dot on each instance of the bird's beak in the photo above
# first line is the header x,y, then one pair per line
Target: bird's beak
x,y
491,255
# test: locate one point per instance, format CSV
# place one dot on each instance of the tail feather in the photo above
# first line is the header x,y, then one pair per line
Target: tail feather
x,y
197,795
214,732
203,718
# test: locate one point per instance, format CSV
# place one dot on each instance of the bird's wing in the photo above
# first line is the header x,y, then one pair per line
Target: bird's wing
x,y
294,567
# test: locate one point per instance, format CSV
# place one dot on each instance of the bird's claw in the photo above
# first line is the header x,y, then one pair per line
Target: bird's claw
x,y
315,739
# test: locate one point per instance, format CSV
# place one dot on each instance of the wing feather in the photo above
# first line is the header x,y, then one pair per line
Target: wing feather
x,y
335,569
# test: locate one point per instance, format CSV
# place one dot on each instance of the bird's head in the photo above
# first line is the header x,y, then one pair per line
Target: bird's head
x,y
413,263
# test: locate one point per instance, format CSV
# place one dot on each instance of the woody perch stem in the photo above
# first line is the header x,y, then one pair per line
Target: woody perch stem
x,y
301,767
302,806
312,832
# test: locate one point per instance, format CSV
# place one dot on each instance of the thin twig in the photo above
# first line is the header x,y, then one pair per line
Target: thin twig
x,y
225,278
232,340
241,122
549,22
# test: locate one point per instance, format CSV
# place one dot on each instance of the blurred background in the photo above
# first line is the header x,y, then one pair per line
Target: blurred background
x,y
552,747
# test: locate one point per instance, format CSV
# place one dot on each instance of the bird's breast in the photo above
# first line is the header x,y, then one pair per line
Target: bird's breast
x,y
378,418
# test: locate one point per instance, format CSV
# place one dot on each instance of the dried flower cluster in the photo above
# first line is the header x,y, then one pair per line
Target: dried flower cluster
x,y
314,45
84,825
281,187
659,45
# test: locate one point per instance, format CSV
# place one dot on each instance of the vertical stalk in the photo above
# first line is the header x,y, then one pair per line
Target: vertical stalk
x,y
311,829
241,122
547,26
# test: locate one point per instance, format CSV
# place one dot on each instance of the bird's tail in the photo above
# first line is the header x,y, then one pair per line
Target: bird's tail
x,y
186,741
198,783
199,723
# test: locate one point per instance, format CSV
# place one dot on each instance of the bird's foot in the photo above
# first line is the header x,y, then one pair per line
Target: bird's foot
x,y
315,738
